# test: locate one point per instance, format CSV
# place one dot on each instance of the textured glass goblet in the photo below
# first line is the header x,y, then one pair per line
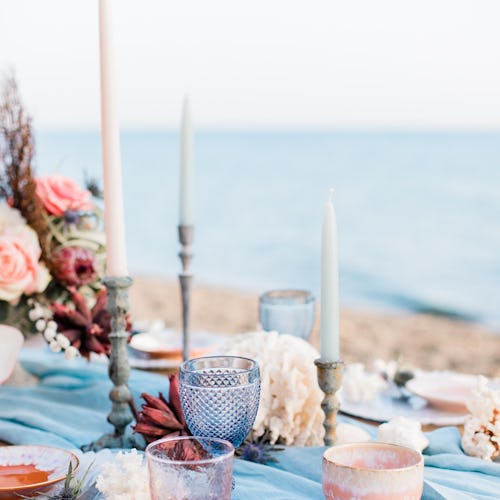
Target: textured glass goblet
x,y
191,468
287,311
220,396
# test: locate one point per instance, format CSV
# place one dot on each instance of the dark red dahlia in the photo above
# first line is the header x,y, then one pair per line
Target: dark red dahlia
x,y
87,329
73,266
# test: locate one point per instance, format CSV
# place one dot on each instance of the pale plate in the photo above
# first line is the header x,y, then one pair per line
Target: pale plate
x,y
385,407
163,349
447,391
27,470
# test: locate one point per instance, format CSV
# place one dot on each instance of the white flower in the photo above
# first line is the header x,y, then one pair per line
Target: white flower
x,y
35,313
359,385
290,398
481,437
54,346
71,352
40,325
63,341
49,334
124,479
404,432
52,324
350,433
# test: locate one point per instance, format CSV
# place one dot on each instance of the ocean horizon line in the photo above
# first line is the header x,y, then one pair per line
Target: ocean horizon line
x,y
172,130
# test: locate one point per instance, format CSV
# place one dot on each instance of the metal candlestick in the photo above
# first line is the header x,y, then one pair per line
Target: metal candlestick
x,y
186,234
330,380
119,370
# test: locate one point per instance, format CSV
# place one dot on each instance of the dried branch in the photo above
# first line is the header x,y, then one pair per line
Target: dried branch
x,y
17,183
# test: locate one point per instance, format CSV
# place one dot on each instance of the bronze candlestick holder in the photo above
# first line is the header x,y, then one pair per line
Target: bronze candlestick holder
x,y
186,234
330,381
119,370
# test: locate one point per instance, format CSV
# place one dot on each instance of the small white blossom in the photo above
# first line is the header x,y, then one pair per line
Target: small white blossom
x,y
359,385
54,346
49,334
71,352
404,432
52,324
124,479
481,437
63,341
290,398
36,313
40,325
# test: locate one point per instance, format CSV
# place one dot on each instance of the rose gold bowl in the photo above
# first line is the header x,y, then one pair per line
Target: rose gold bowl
x,y
372,471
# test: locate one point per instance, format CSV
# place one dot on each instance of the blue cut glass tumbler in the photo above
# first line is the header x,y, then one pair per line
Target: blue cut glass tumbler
x,y
220,396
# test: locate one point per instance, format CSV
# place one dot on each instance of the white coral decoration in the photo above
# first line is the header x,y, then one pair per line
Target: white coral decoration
x,y
359,385
404,432
125,479
481,437
290,398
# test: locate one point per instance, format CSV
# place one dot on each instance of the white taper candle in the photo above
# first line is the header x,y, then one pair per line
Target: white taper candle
x,y
112,174
329,286
186,217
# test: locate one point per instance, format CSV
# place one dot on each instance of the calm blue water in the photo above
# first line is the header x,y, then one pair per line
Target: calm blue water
x,y
418,214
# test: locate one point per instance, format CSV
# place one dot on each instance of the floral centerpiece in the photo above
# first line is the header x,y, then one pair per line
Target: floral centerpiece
x,y
290,399
52,246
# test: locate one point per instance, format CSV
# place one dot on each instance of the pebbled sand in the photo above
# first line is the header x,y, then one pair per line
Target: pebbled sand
x,y
422,340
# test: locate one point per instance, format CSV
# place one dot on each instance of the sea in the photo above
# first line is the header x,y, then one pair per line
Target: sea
x,y
418,214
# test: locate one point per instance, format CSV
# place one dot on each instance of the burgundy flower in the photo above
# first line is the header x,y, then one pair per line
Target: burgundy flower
x,y
73,266
87,329
160,418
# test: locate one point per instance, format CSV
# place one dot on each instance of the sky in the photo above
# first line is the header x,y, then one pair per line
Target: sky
x,y
261,64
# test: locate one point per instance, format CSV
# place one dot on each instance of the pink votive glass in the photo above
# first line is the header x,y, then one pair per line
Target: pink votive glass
x,y
372,471
193,468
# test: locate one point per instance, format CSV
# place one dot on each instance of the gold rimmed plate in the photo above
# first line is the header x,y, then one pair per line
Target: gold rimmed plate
x,y
30,470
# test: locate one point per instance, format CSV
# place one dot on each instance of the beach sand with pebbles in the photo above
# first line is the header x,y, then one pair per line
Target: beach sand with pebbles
x,y
422,340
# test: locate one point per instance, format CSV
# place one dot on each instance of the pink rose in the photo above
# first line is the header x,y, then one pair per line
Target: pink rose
x,y
20,271
60,194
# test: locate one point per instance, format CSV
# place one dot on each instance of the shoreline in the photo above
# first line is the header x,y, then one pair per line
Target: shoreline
x,y
422,340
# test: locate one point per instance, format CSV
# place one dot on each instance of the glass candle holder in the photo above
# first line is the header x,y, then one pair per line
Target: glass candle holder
x,y
287,311
193,468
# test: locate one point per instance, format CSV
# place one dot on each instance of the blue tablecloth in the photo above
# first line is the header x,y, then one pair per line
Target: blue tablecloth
x,y
69,407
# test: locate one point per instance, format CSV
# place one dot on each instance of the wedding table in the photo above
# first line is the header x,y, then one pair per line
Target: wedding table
x,y
68,409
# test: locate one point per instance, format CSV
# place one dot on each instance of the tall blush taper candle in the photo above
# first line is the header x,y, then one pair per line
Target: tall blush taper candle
x,y
329,286
186,168
116,261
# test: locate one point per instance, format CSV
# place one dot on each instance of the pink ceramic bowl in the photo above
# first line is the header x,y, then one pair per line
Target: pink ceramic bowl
x,y
372,471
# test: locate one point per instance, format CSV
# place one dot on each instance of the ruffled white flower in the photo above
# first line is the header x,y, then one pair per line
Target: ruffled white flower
x,y
350,433
359,385
404,432
290,398
124,479
481,437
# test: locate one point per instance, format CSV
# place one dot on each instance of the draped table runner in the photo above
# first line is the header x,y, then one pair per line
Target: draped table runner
x,y
69,407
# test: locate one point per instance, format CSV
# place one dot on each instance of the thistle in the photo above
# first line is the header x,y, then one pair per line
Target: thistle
x,y
258,450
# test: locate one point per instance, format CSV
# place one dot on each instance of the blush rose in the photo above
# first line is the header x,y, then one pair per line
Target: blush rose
x,y
60,194
20,271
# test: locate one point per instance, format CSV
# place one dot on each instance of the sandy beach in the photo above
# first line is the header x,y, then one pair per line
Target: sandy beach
x,y
422,340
